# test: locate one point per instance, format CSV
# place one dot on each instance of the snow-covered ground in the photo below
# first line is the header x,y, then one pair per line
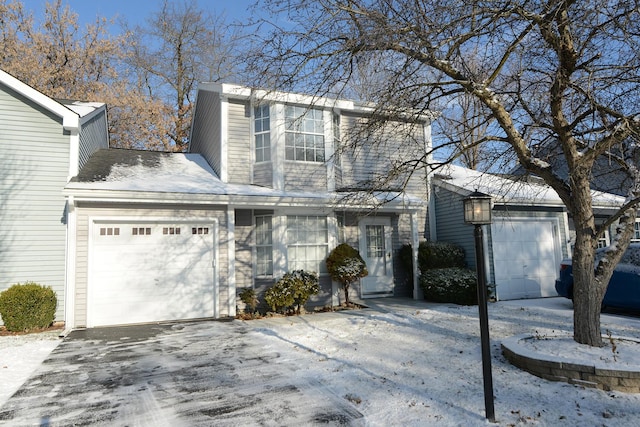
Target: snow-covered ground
x,y
420,364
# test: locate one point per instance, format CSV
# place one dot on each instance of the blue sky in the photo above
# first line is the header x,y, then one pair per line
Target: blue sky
x,y
136,11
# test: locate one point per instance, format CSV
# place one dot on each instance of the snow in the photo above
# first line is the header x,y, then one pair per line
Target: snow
x,y
505,190
415,364
20,356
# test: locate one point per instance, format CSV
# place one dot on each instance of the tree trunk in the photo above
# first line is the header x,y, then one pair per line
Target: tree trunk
x,y
586,298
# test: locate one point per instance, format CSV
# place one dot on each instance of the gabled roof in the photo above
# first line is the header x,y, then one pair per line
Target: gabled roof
x,y
152,176
464,181
71,112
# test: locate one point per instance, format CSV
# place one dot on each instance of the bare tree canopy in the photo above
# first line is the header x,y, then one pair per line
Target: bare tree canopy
x,y
63,60
179,46
556,77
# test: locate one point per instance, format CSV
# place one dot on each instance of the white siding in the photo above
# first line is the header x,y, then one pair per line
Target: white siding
x,y
239,143
305,176
34,154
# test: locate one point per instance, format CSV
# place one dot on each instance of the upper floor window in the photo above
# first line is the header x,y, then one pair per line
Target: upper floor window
x,y
336,140
261,133
304,134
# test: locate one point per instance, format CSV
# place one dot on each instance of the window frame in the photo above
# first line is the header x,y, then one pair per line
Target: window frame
x,y
304,134
263,248
262,133
301,236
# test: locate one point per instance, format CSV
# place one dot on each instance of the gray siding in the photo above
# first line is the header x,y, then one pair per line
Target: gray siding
x,y
305,176
244,247
93,136
86,211
34,153
205,135
450,223
263,174
239,143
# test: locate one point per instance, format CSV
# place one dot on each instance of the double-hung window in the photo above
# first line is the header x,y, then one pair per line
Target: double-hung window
x,y
307,243
304,134
264,245
261,133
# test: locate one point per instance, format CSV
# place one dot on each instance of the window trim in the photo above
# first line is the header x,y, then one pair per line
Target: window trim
x,y
257,245
301,114
262,134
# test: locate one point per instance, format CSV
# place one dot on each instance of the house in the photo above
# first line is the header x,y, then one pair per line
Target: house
x,y
271,183
43,142
529,234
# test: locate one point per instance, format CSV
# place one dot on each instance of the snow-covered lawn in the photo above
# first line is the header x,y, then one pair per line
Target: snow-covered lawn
x,y
414,365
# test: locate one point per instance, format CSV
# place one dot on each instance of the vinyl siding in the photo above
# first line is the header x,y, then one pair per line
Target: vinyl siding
x,y
34,153
206,133
239,156
93,136
113,211
450,223
244,247
263,174
305,176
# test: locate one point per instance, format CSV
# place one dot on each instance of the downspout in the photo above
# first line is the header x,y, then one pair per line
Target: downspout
x,y
70,270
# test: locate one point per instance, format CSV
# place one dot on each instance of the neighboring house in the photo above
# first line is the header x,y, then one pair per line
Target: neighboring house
x,y
43,143
529,235
268,187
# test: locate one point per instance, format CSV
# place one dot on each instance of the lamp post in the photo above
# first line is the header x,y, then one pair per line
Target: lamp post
x,y
477,211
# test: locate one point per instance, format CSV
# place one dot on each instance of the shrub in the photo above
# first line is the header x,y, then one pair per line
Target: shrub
x,y
249,298
456,285
292,291
345,265
439,255
27,307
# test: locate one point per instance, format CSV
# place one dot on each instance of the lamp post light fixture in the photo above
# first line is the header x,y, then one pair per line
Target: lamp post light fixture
x,y
477,211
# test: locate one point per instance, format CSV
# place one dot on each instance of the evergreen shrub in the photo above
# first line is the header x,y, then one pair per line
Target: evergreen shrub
x,y
27,307
292,291
453,285
345,265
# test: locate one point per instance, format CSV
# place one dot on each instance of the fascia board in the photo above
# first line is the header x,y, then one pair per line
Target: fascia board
x,y
231,199
70,120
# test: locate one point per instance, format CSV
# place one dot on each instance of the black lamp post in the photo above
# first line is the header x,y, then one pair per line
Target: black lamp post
x,y
477,211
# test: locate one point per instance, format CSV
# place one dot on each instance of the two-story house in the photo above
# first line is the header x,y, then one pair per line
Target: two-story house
x,y
273,181
43,143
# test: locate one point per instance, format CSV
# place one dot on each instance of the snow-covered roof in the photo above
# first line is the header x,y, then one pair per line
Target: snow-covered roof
x,y
182,177
508,191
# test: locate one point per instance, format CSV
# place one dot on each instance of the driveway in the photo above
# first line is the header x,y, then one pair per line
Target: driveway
x,y
183,374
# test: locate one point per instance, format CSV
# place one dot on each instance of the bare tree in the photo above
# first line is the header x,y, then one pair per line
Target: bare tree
x,y
561,74
63,60
179,46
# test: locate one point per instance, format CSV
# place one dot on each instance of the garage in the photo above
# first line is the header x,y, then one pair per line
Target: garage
x,y
150,271
526,256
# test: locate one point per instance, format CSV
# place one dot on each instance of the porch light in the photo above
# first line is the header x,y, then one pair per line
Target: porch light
x,y
477,211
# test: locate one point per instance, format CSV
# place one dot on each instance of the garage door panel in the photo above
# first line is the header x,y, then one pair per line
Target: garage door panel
x,y
525,258
151,272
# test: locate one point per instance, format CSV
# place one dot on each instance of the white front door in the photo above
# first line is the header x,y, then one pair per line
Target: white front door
x,y
375,249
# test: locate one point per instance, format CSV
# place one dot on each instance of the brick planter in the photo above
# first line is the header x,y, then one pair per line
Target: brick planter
x,y
554,368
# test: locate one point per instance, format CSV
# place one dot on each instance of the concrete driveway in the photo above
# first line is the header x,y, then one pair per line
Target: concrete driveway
x,y
184,374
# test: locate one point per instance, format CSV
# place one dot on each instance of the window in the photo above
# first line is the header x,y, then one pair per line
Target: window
x,y
262,133
304,134
171,230
200,230
307,243
636,234
264,246
109,231
141,231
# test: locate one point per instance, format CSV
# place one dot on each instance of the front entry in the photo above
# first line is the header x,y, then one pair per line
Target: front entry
x,y
375,249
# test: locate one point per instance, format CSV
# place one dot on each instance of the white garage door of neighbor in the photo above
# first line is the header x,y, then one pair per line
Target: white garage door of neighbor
x,y
525,258
144,272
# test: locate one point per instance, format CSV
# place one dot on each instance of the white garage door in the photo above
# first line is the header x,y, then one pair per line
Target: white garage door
x,y
525,258
142,272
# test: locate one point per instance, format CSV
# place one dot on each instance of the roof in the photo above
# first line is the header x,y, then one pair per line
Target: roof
x,y
71,112
510,191
137,175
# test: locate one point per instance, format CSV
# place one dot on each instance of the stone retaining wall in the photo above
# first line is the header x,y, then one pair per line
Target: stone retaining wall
x,y
555,369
